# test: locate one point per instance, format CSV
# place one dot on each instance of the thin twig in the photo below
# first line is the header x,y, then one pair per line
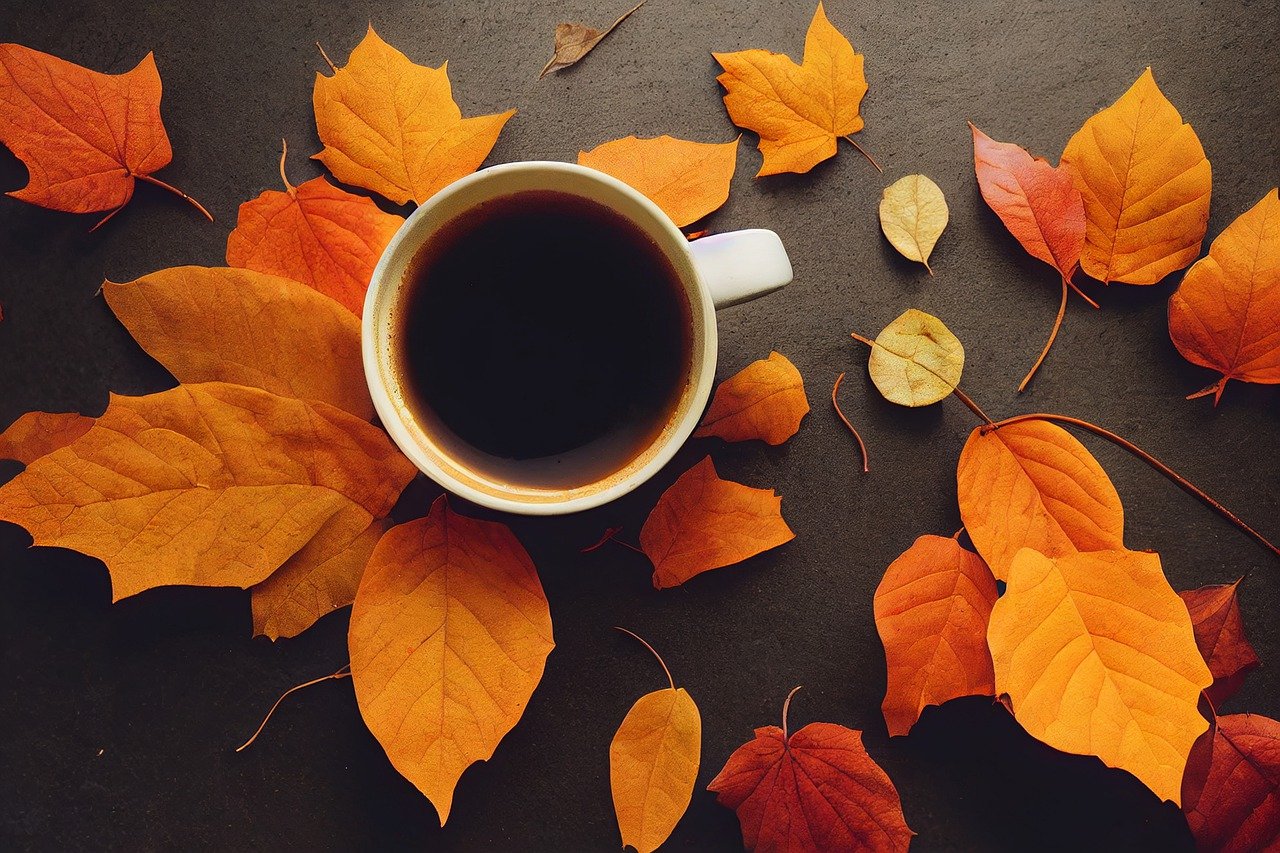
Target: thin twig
x,y
862,447
670,680
1053,335
870,159
344,672
786,706
197,205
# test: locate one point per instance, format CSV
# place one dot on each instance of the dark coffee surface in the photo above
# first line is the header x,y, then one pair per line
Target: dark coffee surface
x,y
543,339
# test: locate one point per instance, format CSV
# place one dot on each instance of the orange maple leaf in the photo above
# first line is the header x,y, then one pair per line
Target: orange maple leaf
x,y
85,137
688,180
37,434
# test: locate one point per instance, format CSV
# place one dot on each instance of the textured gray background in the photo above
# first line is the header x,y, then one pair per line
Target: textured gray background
x,y
118,721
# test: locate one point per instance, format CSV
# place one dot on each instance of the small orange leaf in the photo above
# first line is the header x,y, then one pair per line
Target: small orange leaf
x,y
574,41
764,400
1145,183
1226,313
37,434
1231,791
688,180
703,523
799,111
1031,484
317,234
449,636
393,127
1215,614
932,608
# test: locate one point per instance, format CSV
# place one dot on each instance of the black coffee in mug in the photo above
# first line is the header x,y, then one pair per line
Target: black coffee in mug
x,y
542,339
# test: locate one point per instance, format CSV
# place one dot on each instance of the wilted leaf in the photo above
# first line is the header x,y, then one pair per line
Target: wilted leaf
x,y
248,328
703,523
211,485
37,434
1096,654
1215,615
1231,791
1226,313
449,636
393,127
686,179
913,215
764,400
814,791
915,360
86,138
574,41
1033,485
1145,183
931,610
317,234
799,111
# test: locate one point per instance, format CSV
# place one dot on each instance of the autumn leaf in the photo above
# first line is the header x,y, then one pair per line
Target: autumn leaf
x,y
208,484
703,522
1226,313
574,41
764,400
393,127
816,790
799,111
1031,484
1096,654
913,215
653,763
688,180
1145,183
85,137
248,328
1215,615
1231,791
931,609
37,434
449,635
915,360
317,234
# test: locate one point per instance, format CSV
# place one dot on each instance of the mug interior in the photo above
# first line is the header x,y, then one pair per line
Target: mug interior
x,y
386,299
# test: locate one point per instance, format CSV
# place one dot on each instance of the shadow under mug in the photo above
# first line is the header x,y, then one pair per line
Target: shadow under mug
x,y
715,271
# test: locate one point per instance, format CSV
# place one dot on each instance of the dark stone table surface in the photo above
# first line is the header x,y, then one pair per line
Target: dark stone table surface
x,y
117,722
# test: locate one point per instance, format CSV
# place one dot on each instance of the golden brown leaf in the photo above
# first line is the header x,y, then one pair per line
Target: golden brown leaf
x,y
764,400
688,180
915,360
703,522
209,324
913,215
449,635
574,41
1145,183
209,484
393,127
37,434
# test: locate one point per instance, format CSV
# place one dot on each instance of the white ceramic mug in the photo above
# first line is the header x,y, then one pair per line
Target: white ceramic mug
x,y
715,271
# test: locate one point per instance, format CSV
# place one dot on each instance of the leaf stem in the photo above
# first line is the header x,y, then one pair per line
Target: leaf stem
x,y
862,447
609,533
152,180
1215,389
284,152
645,642
870,160
327,60
104,220
786,706
343,672
1053,335
973,407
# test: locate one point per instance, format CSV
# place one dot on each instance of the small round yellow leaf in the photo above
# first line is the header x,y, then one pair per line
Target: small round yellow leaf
x,y
916,361
913,214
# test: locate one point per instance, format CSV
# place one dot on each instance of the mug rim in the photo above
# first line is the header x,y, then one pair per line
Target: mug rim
x,y
660,451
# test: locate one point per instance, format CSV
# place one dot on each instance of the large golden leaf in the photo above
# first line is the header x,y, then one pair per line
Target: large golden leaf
x,y
653,764
1097,656
1145,182
209,484
449,635
688,180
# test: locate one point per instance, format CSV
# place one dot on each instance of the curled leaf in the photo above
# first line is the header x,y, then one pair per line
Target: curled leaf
x,y
1231,791
574,41
913,215
1215,615
915,360
37,434
688,180
764,400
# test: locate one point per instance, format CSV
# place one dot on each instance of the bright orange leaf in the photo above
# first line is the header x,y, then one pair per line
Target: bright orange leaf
x,y
688,180
764,400
811,792
449,635
931,610
37,434
703,522
799,111
1231,791
208,484
317,234
231,325
86,138
1226,313
1215,614
1096,656
1031,484
393,127
1145,183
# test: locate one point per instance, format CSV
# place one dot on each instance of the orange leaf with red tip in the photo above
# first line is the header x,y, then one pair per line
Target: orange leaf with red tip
x,y
37,434
764,400
1215,616
1231,790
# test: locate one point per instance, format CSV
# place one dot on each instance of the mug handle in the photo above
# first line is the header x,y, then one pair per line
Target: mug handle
x,y
741,265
